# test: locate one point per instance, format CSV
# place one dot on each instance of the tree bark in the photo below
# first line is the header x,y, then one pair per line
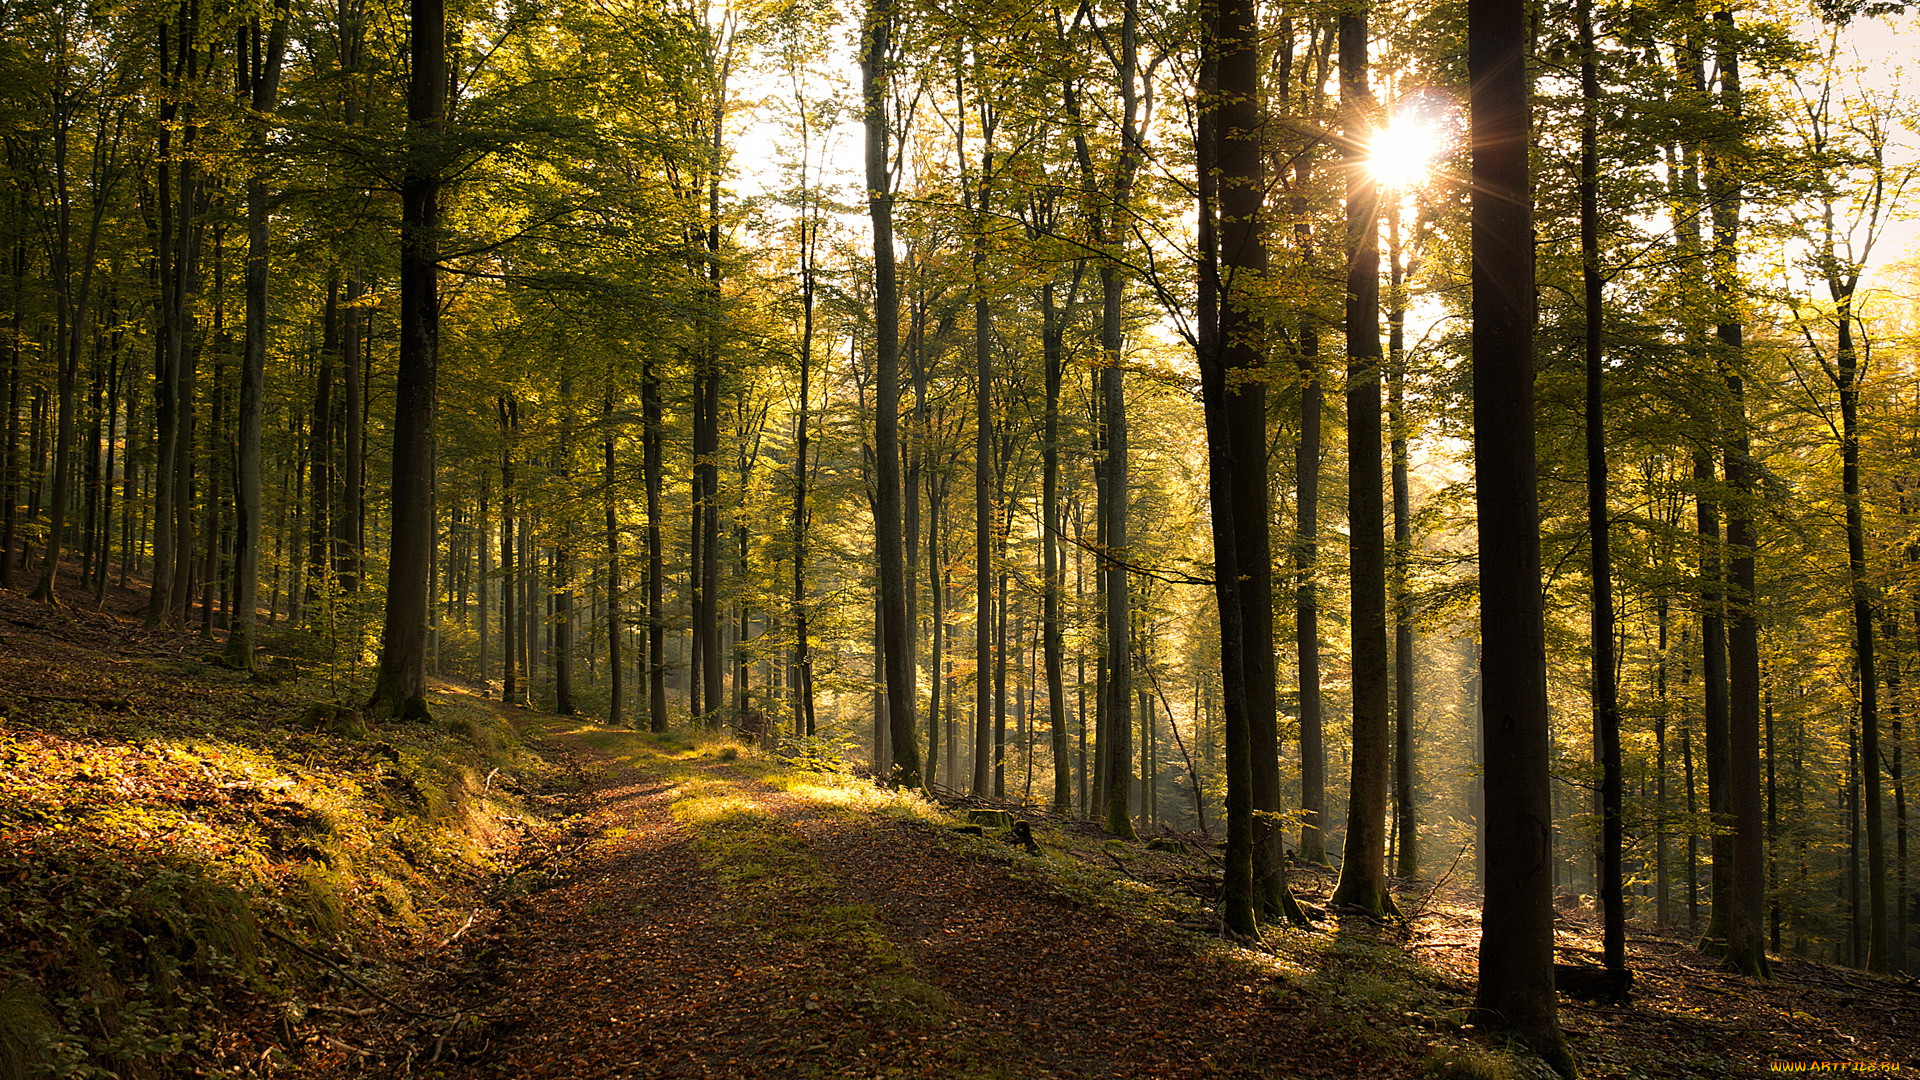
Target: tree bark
x,y
1746,880
651,467
616,622
1363,867
1229,167
1232,358
262,90
1052,572
1515,991
1606,696
400,687
897,635
1406,816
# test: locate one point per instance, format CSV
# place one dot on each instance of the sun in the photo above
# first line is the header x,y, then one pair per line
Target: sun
x,y
1403,153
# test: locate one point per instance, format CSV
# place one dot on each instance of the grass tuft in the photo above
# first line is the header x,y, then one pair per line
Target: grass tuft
x,y
26,1030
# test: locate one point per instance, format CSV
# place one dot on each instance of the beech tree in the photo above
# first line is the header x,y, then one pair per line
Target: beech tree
x,y
1515,990
401,686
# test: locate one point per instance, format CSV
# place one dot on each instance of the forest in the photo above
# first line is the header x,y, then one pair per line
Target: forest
x,y
1445,442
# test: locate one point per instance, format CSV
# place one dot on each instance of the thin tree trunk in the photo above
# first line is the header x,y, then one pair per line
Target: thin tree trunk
x,y
1306,603
1713,671
986,770
512,691
616,623
1847,375
350,523
1406,816
1606,697
651,449
1052,573
483,524
802,685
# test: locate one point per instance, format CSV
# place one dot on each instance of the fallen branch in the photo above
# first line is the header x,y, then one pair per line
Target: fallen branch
x,y
551,855
348,975
468,925
108,704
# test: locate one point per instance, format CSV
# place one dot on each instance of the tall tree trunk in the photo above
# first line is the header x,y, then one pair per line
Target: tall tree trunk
x,y
512,689
616,622
10,481
1515,990
1306,602
1229,170
400,688
1406,817
483,526
349,516
896,633
1118,693
1232,358
168,335
320,450
651,449
1848,374
70,304
1606,697
1713,677
801,680
1306,471
1662,808
1746,896
560,595
1363,867
1052,572
1002,652
261,87
988,773
1117,605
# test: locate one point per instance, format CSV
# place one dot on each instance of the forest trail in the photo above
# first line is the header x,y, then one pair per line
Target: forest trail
x,y
734,922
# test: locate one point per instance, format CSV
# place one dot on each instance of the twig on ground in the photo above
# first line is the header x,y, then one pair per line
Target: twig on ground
x,y
348,975
468,925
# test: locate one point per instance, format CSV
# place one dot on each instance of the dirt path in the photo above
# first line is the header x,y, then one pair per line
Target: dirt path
x,y
725,928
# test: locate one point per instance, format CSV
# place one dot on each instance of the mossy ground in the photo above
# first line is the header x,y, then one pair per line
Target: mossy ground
x,y
181,845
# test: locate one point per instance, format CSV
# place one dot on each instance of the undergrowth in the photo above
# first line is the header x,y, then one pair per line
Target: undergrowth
x,y
178,874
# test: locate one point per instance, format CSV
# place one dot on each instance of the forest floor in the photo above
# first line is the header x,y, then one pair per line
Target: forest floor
x,y
676,908
732,917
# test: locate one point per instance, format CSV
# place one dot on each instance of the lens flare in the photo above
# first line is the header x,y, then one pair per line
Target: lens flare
x,y
1403,153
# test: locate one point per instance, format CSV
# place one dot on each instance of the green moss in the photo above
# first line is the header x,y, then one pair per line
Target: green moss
x,y
1466,1063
